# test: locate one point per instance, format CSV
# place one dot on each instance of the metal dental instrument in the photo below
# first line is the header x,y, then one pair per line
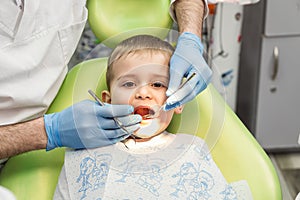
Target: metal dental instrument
x,y
118,122
156,112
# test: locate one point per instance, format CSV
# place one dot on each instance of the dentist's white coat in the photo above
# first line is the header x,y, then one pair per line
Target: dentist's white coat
x,y
37,40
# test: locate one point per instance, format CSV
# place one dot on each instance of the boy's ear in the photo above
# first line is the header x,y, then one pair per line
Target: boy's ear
x,y
106,96
179,109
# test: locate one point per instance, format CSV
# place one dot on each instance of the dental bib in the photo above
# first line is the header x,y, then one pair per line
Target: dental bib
x,y
180,168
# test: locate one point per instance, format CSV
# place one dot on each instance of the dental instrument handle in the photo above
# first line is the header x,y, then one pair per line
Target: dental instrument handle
x,y
96,97
180,86
187,80
150,116
119,123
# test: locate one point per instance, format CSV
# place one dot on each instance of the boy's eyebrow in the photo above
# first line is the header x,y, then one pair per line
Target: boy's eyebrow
x,y
126,76
134,76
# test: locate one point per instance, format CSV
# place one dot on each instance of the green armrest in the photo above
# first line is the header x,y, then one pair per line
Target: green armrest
x,y
33,175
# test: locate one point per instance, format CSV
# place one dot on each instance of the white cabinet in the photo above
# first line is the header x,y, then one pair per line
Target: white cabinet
x,y
282,18
268,99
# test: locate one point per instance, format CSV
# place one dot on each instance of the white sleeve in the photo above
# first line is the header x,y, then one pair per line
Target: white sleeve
x,y
62,189
172,13
34,56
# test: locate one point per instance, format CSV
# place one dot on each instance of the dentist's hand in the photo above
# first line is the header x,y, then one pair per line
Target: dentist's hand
x,y
88,125
186,60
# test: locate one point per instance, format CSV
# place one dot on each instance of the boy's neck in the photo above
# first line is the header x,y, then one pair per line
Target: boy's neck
x,y
138,139
160,139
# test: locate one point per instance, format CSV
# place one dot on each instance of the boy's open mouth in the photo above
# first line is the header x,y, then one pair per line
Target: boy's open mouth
x,y
144,111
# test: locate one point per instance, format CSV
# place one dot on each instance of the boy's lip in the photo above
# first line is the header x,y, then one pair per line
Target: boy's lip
x,y
143,111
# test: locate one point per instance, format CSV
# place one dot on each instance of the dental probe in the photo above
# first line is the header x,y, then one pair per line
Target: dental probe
x,y
118,122
156,113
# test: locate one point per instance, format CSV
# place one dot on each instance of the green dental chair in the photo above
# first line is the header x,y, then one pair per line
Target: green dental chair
x,y
33,175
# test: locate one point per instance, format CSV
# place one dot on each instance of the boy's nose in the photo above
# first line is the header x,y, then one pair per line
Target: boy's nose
x,y
143,92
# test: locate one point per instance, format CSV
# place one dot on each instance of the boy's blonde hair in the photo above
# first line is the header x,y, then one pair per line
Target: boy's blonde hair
x,y
133,45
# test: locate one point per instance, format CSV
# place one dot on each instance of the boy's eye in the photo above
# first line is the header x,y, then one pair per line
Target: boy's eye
x,y
158,85
129,84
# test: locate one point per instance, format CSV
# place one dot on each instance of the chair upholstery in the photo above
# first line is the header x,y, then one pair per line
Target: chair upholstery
x,y
108,19
33,175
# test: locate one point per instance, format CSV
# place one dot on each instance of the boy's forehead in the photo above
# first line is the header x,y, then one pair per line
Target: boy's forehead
x,y
140,59
146,53
144,70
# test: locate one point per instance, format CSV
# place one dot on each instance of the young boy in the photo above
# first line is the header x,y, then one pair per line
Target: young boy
x,y
157,164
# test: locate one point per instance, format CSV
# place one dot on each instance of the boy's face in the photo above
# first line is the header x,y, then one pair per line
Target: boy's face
x,y
141,80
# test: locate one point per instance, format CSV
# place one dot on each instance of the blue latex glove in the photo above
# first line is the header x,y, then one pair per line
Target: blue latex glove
x,y
186,60
88,125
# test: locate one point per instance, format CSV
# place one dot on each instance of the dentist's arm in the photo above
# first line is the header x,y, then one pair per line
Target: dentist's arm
x,y
187,58
190,15
83,125
22,137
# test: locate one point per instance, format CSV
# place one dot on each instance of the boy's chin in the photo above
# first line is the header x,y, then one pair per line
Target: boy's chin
x,y
149,129
146,132
144,135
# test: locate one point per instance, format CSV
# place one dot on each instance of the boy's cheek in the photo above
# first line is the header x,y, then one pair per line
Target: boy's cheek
x,y
120,97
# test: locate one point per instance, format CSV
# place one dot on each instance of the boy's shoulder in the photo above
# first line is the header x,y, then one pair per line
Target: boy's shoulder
x,y
189,137
191,141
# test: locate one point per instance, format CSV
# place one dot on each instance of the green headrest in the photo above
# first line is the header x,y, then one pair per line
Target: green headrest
x,y
108,19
